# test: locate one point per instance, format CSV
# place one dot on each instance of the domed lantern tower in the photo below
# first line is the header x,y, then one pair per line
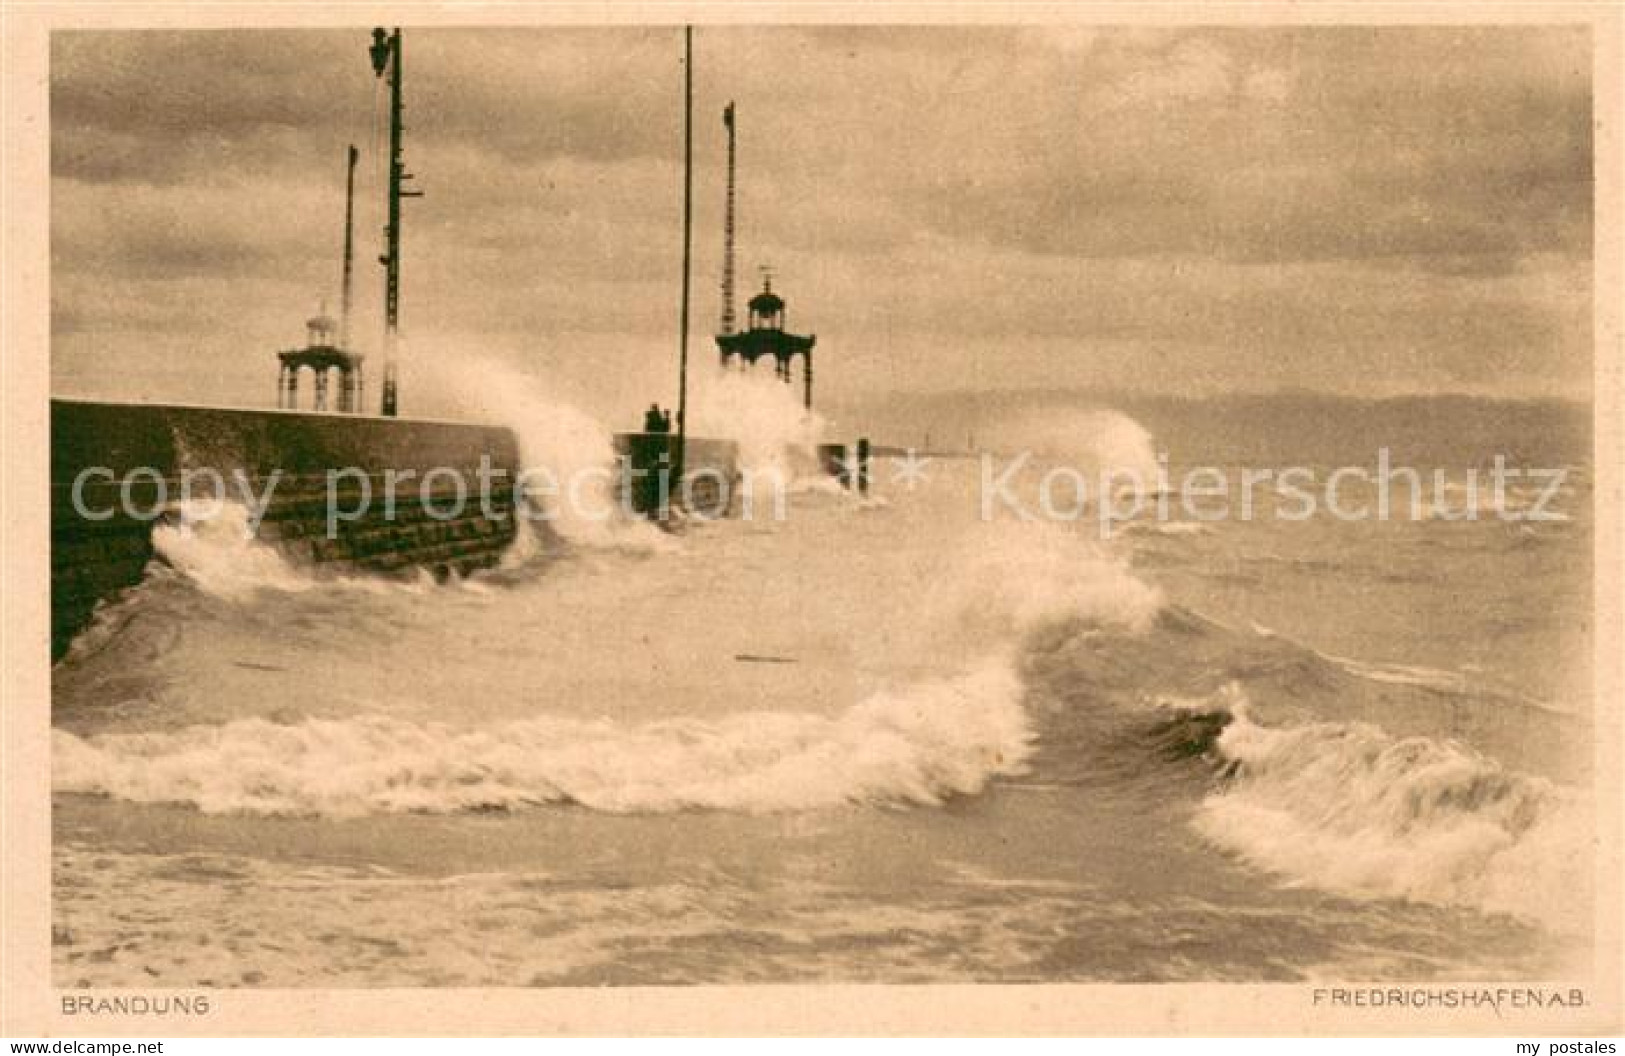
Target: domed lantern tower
x,y
765,335
327,340
321,354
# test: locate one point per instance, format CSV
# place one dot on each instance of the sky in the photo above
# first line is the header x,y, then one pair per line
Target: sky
x,y
1191,210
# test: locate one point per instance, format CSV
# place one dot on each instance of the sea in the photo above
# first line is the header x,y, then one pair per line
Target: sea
x,y
890,737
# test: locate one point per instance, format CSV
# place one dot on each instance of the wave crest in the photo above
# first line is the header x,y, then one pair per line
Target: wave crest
x,y
918,746
1350,808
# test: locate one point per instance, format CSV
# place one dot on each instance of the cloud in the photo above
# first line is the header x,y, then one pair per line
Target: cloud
x,y
1338,207
1286,145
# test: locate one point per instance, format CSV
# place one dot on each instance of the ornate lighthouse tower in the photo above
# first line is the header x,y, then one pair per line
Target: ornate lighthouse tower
x,y
765,335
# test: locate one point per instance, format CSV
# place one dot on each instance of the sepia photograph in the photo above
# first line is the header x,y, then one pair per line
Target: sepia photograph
x,y
675,503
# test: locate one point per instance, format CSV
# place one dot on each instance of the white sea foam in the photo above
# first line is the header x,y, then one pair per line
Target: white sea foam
x,y
1227,700
559,443
567,456
1011,577
1095,441
764,416
1168,528
1348,808
1402,674
916,746
211,544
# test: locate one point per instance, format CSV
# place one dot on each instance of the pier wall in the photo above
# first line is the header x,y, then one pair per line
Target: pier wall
x,y
832,459
711,477
130,461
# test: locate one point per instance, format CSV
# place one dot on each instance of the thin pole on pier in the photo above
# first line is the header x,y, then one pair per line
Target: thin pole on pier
x,y
728,230
386,58
688,229
349,250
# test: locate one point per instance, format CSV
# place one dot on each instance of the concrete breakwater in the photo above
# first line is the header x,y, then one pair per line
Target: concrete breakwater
x,y
849,464
370,493
710,486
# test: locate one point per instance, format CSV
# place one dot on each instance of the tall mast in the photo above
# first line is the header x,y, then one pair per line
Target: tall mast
x,y
349,249
688,228
386,59
728,319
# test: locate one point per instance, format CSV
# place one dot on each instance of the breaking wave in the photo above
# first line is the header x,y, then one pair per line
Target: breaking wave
x,y
1012,578
1350,808
213,544
1328,773
214,547
917,746
566,454
1364,779
777,437
1099,442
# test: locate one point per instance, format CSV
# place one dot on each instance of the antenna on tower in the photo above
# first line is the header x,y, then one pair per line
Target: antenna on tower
x,y
728,318
349,250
